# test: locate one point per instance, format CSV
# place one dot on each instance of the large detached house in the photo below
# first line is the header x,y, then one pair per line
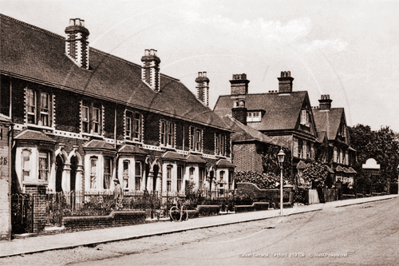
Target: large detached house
x,y
334,139
83,117
284,115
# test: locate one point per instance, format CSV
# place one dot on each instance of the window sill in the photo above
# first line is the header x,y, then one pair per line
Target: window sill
x,y
40,127
35,183
92,135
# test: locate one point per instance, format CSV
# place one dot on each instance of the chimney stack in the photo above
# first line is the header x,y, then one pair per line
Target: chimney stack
x,y
77,46
150,73
239,111
239,84
285,82
325,102
203,88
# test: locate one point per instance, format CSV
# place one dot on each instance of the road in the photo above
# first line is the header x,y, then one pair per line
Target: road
x,y
365,234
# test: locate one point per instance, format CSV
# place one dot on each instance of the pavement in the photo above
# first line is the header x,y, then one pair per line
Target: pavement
x,y
101,236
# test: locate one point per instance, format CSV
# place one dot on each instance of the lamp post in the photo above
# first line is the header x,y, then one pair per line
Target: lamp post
x,y
280,157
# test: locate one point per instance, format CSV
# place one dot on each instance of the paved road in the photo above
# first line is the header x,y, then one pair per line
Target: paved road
x,y
366,234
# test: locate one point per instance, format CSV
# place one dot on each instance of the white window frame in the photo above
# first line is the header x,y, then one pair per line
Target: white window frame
x,y
85,119
254,116
126,174
169,178
105,185
220,144
91,118
167,133
196,141
45,113
46,156
137,175
133,125
26,167
93,174
31,106
96,120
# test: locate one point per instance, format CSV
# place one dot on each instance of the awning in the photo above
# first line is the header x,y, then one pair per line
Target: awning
x,y
352,171
339,169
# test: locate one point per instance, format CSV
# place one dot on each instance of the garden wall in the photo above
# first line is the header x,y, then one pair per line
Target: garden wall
x,y
266,195
114,219
256,206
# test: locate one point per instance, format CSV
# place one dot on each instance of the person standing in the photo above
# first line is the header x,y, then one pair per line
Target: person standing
x,y
118,193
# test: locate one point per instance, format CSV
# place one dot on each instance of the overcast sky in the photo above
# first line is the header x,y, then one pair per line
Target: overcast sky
x,y
348,49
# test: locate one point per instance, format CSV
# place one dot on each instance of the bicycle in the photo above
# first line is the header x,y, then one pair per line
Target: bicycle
x,y
182,211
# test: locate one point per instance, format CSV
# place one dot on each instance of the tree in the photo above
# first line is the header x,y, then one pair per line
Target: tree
x,y
382,145
315,172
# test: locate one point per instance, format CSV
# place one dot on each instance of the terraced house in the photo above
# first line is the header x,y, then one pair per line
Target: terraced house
x,y
83,117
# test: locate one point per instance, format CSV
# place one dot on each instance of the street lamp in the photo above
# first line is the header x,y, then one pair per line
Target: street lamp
x,y
280,157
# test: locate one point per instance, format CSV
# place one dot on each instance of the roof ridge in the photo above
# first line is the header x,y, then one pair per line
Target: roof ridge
x,y
31,26
90,47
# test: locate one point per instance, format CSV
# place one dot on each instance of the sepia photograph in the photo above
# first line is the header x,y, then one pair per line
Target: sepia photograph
x,y
199,132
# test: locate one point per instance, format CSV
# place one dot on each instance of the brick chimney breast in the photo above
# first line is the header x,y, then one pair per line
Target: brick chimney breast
x,y
76,44
325,102
203,88
150,72
239,84
285,82
239,111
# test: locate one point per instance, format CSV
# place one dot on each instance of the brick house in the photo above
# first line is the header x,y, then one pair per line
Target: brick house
x,y
83,117
284,115
334,134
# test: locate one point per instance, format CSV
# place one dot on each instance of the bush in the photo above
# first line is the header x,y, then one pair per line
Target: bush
x,y
263,181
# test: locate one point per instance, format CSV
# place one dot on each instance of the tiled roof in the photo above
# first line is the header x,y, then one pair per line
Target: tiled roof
x,y
328,121
98,144
224,163
352,171
131,149
195,159
37,55
244,133
33,135
171,155
282,110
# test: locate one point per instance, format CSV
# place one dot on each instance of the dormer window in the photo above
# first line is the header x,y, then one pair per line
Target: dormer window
x,y
254,116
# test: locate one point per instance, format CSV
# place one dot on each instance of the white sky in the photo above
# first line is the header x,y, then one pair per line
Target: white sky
x,y
348,49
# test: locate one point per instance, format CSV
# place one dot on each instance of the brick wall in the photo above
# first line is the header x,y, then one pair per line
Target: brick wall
x,y
5,212
39,206
115,219
246,157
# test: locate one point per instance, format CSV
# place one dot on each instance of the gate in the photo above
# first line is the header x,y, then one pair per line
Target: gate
x,y
22,213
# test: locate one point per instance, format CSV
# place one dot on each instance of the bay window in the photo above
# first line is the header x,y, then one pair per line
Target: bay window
x,y
179,177
26,164
93,172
